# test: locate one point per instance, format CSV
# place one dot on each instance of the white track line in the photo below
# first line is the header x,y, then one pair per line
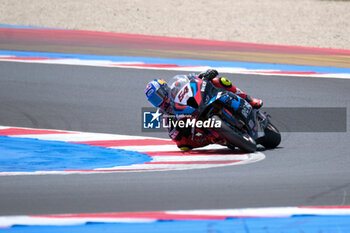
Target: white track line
x,y
232,70
149,217
162,148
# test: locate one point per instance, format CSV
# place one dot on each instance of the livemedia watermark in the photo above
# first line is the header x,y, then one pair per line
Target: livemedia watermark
x,y
153,121
286,119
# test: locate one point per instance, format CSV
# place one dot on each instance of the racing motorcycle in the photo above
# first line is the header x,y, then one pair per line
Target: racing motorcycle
x,y
202,101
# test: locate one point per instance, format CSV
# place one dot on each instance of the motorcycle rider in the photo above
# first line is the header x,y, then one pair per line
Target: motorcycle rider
x,y
157,93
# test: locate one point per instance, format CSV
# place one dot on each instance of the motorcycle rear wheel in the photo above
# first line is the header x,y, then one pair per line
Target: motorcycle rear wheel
x,y
243,141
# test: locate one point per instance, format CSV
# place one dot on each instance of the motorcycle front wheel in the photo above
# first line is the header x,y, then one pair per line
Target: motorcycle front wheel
x,y
272,137
242,140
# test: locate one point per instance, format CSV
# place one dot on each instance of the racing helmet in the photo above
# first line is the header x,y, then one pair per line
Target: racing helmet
x,y
157,92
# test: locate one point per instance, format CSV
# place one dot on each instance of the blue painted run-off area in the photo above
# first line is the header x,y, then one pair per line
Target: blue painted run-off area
x,y
180,62
297,224
28,155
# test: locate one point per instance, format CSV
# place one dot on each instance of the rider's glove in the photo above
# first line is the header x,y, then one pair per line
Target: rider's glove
x,y
208,75
256,103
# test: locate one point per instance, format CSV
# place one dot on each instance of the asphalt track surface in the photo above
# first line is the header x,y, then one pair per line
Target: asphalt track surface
x,y
308,169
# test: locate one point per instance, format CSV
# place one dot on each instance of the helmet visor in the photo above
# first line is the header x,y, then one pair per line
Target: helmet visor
x,y
158,97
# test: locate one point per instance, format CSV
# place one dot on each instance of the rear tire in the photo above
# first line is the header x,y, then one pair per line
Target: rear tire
x,y
244,141
272,137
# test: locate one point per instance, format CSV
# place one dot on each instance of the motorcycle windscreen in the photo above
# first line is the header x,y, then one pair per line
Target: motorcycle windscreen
x,y
180,89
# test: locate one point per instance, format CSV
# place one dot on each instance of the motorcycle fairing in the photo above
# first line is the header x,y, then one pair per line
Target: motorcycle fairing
x,y
182,90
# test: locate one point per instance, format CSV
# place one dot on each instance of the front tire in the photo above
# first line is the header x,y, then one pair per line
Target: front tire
x,y
272,137
243,141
